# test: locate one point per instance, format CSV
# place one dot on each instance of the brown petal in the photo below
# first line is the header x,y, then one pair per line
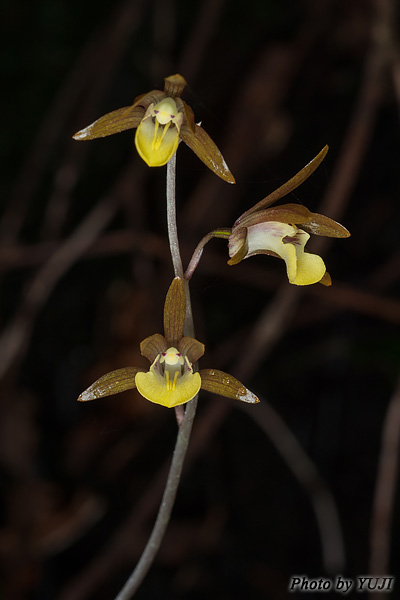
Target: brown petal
x,y
218,382
238,244
152,346
174,312
321,225
153,97
121,119
290,185
204,147
111,383
174,85
294,214
188,116
191,348
113,122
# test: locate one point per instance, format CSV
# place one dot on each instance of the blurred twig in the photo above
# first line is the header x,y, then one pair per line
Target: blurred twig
x,y
340,295
386,483
357,139
15,336
204,27
105,48
266,332
17,333
257,99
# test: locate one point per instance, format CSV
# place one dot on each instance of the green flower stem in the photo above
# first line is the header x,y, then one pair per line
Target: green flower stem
x,y
182,441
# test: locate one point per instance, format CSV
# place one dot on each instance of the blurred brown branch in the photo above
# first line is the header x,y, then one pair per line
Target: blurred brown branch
x,y
386,483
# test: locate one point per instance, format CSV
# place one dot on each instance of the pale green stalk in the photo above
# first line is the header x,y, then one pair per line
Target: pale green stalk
x,y
182,441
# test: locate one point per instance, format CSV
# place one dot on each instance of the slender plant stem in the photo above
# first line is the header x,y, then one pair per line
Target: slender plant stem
x,y
174,242
182,441
166,506
222,233
171,218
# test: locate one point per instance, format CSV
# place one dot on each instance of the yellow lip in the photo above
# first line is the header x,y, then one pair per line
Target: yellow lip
x,y
156,144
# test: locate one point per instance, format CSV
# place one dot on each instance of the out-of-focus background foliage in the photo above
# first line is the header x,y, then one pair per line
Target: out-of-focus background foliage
x,y
305,482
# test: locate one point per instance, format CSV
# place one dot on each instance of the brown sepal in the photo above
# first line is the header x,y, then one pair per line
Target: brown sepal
x,y
121,119
294,214
111,383
113,122
321,225
174,312
187,112
290,185
152,346
144,100
191,348
203,146
326,280
223,384
174,85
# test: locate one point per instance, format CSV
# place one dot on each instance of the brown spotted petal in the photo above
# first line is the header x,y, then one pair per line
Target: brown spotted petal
x,y
191,348
223,384
203,146
152,346
111,383
290,185
174,312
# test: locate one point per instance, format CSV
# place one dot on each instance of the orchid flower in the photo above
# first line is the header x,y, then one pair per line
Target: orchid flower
x,y
171,379
283,232
161,119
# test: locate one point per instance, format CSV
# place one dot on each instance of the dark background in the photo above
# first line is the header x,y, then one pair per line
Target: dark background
x,y
306,481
